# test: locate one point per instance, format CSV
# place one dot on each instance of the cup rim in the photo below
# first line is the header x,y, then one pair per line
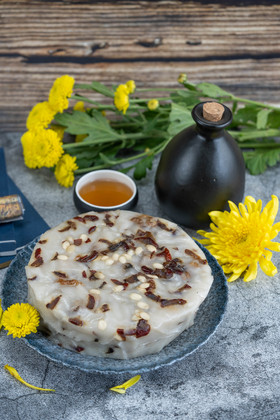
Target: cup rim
x,y
125,179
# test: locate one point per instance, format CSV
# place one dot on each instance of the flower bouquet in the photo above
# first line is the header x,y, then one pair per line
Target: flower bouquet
x,y
126,130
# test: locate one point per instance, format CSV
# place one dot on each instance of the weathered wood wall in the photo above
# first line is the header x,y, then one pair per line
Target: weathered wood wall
x,y
230,43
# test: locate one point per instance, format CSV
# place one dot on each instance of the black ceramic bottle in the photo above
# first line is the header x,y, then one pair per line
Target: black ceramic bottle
x,y
200,170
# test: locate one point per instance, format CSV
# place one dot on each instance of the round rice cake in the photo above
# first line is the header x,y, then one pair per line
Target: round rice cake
x,y
117,284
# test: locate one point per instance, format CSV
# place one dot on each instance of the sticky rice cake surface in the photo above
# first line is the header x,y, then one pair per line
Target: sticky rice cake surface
x,y
117,284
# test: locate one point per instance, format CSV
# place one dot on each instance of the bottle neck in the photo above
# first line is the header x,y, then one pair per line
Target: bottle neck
x,y
209,133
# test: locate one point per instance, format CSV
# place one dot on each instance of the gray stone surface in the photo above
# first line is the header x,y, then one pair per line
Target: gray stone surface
x,y
235,375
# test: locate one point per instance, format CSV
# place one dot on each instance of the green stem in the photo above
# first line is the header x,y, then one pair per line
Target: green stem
x,y
84,144
252,135
157,90
121,137
155,150
82,86
167,98
259,145
120,124
90,101
92,168
260,104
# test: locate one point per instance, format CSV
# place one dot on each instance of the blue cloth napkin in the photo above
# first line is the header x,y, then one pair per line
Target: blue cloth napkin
x,y
23,231
7,232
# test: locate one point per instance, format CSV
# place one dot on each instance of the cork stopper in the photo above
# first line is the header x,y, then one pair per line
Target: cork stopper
x,y
213,111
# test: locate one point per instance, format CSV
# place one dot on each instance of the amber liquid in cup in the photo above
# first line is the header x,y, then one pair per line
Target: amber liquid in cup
x,y
106,193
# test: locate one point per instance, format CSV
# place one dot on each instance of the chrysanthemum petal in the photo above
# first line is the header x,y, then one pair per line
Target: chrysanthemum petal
x,y
251,273
267,254
216,213
272,208
233,207
267,267
122,388
233,277
16,375
243,210
274,246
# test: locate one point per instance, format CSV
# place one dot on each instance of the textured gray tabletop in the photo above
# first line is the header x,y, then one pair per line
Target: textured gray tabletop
x,y
235,375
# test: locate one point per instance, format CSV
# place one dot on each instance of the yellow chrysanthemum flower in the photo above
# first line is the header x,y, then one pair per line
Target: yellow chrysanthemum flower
x,y
131,86
21,319
153,104
64,170
182,78
79,106
121,99
40,116
242,238
41,148
60,92
59,130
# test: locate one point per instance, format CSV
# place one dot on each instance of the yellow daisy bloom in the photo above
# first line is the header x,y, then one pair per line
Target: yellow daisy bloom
x,y
121,99
64,170
40,116
41,148
131,86
153,104
242,238
21,319
60,92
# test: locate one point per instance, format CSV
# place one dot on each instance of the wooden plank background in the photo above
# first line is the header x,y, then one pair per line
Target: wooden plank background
x,y
235,44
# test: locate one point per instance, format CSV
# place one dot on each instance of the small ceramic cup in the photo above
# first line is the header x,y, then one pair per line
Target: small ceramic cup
x,y
84,206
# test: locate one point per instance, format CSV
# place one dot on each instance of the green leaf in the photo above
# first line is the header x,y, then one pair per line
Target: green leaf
x,y
189,98
273,120
96,126
245,115
104,90
258,160
106,159
254,134
213,91
262,117
180,117
142,166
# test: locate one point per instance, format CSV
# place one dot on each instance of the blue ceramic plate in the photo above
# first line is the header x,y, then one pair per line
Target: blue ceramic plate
x,y
207,319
